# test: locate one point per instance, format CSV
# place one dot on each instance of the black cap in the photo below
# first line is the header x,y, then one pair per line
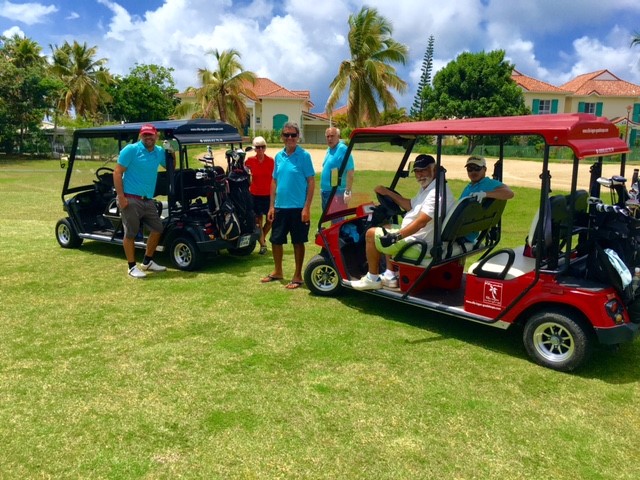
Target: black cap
x,y
423,161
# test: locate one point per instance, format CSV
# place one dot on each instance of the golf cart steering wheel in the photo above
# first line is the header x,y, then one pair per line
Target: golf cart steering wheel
x,y
103,171
391,207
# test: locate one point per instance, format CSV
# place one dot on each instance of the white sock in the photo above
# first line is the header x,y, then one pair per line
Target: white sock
x,y
389,274
373,277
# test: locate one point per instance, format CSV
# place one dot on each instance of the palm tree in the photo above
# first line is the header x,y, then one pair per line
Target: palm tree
x,y
635,40
368,75
24,52
223,91
84,77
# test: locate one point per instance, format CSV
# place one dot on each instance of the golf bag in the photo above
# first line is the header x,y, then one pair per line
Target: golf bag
x,y
222,211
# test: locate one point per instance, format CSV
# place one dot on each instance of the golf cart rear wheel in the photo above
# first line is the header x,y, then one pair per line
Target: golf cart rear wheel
x,y
185,254
321,277
66,234
554,340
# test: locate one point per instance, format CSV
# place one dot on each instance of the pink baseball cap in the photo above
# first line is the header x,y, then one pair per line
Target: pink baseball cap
x,y
148,129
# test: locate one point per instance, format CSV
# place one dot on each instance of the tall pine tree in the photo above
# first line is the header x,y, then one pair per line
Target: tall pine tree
x,y
417,109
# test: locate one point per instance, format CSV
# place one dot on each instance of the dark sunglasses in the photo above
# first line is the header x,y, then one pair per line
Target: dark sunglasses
x,y
260,146
474,168
289,135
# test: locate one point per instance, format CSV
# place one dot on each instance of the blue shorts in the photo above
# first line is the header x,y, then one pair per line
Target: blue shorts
x,y
289,221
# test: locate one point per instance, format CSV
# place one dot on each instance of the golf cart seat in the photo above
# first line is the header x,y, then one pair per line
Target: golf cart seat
x,y
188,186
445,264
512,263
466,220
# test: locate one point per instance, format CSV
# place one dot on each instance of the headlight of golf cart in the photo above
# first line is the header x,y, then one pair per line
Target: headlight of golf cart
x,y
615,311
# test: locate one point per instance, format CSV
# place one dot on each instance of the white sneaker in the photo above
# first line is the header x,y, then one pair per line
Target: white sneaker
x,y
153,267
389,282
135,272
365,283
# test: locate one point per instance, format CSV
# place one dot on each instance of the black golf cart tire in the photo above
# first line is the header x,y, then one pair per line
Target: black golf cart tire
x,y
321,277
185,254
66,234
554,340
243,251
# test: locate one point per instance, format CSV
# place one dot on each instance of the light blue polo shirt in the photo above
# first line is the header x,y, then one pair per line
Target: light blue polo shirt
x,y
291,173
333,159
487,184
142,168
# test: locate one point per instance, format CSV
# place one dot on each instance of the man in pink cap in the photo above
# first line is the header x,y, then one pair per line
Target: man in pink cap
x,y
135,181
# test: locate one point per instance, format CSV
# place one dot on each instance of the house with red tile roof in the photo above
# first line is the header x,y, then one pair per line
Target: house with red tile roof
x,y
601,93
271,105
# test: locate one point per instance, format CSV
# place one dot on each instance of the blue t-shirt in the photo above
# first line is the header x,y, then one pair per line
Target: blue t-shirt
x,y
487,184
333,159
142,168
291,173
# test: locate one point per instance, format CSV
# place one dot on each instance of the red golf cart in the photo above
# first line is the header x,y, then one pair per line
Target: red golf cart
x,y
567,284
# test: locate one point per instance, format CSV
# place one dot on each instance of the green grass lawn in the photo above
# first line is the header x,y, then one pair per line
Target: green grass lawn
x,y
211,374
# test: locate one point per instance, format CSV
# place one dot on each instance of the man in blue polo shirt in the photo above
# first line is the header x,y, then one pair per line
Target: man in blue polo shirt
x,y
481,186
134,179
292,190
332,161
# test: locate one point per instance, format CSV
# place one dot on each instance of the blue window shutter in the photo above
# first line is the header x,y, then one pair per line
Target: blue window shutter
x,y
580,107
535,108
554,106
599,109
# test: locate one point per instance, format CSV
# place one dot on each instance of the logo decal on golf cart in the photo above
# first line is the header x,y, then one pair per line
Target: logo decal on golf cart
x,y
492,293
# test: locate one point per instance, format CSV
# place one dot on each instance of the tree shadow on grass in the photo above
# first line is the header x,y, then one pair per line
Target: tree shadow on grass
x,y
611,365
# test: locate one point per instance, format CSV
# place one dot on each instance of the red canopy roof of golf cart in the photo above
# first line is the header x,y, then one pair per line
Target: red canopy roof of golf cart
x,y
586,134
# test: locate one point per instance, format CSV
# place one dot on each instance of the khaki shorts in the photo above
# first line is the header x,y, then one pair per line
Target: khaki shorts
x,y
140,212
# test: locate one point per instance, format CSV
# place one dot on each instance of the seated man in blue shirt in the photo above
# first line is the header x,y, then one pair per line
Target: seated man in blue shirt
x,y
482,186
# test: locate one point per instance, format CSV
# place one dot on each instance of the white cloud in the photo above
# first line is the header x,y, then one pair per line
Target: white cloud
x,y
28,13
9,33
301,47
72,16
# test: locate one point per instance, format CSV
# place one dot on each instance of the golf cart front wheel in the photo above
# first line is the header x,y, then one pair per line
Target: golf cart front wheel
x,y
66,234
556,341
321,277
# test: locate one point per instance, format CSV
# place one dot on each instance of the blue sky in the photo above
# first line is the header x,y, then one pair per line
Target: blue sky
x,y
299,44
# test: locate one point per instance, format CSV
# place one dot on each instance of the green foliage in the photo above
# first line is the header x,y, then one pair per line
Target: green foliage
x,y
146,94
368,75
85,79
417,109
222,91
475,85
27,93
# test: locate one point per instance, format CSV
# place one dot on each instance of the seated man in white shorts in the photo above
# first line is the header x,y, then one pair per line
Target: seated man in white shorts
x,y
416,225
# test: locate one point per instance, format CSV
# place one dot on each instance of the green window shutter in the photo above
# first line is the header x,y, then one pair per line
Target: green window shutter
x,y
632,137
279,120
581,107
554,106
535,108
636,112
599,109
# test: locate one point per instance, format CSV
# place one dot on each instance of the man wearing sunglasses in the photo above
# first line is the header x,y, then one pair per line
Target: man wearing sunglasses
x,y
481,186
292,190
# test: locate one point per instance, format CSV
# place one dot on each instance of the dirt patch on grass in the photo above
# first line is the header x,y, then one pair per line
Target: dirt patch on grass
x,y
521,173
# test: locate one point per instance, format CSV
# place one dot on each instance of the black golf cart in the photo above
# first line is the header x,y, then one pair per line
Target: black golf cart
x,y
204,204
